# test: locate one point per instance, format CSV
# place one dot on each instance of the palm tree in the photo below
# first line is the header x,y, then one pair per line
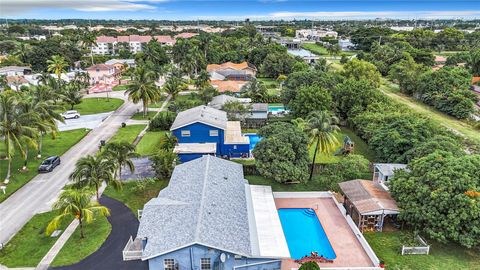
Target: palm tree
x,y
13,129
88,41
57,65
255,90
122,153
22,52
92,171
203,79
300,123
76,204
72,94
322,128
173,86
142,87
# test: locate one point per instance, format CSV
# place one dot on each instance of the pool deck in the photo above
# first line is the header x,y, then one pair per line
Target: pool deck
x,y
348,249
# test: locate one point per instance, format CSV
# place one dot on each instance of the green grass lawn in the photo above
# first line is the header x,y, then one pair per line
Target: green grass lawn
x,y
390,89
314,185
133,198
76,248
127,134
139,115
120,87
387,246
97,105
315,48
361,148
150,143
30,244
64,141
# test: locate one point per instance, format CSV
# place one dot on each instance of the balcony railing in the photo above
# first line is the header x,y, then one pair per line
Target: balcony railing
x,y
132,250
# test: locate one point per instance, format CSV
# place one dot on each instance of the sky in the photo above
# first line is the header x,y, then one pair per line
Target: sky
x,y
239,9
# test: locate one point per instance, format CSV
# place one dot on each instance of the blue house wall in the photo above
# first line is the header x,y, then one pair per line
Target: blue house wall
x,y
189,258
200,133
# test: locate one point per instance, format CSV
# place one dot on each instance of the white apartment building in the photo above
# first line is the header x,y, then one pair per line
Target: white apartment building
x,y
134,43
314,34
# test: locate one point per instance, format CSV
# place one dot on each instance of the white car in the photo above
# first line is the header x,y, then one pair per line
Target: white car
x,y
70,115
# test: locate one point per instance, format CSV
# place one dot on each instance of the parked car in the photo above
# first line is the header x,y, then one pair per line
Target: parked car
x,y
49,164
71,115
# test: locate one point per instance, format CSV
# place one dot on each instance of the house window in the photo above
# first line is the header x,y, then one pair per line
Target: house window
x,y
185,133
205,264
235,147
169,264
214,133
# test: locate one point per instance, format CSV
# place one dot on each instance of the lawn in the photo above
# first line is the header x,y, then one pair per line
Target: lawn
x,y
315,185
390,89
127,134
387,246
150,143
139,115
64,141
97,105
76,248
120,87
133,197
361,148
315,48
30,244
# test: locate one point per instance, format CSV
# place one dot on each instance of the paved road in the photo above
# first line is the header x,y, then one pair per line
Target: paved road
x,y
109,255
38,194
90,121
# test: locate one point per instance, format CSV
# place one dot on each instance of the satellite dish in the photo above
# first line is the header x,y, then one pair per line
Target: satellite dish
x,y
223,257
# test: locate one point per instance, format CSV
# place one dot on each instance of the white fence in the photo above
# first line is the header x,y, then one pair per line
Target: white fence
x,y
424,249
132,250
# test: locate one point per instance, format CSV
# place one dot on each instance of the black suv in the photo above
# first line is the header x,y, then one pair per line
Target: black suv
x,y
49,164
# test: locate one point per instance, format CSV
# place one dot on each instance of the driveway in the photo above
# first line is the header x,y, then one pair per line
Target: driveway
x,y
109,255
39,194
90,121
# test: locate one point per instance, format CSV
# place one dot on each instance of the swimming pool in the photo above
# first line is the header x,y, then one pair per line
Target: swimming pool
x,y
304,233
254,139
276,108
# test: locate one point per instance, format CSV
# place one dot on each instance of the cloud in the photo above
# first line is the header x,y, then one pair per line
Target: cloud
x,y
12,7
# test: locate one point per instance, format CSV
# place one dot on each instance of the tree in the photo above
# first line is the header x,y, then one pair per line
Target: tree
x,y
439,196
203,79
174,86
235,110
352,97
311,265
310,98
207,93
255,90
473,62
142,88
162,121
122,153
321,129
276,64
88,41
14,128
164,163
92,171
57,65
282,153
72,95
362,70
406,74
76,204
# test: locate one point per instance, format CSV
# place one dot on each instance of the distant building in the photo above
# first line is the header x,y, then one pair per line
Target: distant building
x,y
36,37
314,34
230,77
120,63
134,43
15,71
383,172
206,131
307,56
102,73
186,35
346,44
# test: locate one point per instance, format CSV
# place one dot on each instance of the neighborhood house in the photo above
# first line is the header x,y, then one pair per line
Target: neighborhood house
x,y
230,77
103,73
206,131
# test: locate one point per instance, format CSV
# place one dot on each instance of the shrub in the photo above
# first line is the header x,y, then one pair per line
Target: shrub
x,y
309,266
163,121
163,163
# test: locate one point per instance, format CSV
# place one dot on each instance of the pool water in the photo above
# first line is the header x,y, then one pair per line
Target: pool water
x,y
304,233
276,109
254,139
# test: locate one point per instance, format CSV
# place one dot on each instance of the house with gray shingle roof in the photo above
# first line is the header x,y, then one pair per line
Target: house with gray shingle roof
x,y
383,172
205,219
205,131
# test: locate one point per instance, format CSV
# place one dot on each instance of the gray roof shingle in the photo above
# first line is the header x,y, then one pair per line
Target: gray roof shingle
x,y
202,114
205,203
389,169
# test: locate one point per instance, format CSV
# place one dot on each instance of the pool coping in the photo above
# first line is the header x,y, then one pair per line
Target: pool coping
x,y
359,236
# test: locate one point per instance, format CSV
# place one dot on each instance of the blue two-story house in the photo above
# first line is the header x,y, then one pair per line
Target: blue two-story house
x,y
210,218
206,131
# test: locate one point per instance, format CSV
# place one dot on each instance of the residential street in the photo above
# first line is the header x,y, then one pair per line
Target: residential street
x,y
38,195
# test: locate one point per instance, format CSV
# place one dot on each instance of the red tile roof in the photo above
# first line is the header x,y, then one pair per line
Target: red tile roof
x,y
186,35
100,67
105,39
